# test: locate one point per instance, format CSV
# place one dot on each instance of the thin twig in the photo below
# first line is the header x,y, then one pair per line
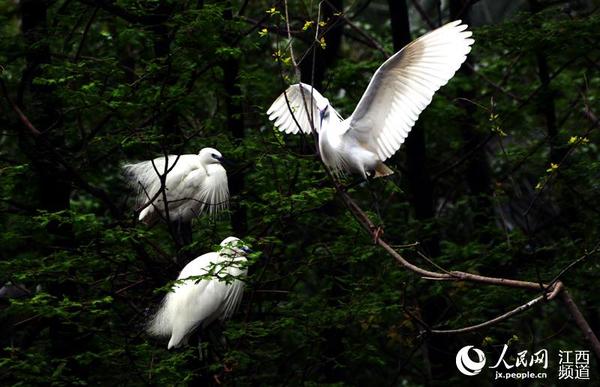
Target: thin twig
x,y
575,262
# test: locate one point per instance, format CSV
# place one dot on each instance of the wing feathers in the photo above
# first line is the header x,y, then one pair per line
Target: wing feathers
x,y
405,84
284,115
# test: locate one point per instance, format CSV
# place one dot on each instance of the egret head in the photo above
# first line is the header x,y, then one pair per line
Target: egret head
x,y
210,156
235,246
323,104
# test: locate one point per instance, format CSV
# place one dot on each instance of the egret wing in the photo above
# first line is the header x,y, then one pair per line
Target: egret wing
x,y
235,290
173,315
233,299
296,107
404,85
144,178
201,191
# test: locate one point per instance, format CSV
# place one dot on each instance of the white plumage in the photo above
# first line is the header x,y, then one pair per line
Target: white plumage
x,y
398,92
196,302
194,184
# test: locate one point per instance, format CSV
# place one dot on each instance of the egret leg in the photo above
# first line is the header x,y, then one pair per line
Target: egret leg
x,y
201,356
200,366
216,338
196,338
355,183
219,345
222,339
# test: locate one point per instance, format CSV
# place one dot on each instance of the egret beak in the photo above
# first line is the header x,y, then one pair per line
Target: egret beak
x,y
223,160
322,113
247,250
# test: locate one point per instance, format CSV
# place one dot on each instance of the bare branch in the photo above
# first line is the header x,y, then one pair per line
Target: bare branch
x,y
491,322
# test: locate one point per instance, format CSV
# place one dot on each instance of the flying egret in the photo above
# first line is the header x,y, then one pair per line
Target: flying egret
x,y
194,184
196,302
398,92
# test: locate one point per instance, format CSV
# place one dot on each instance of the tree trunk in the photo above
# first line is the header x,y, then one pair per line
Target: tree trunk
x,y
52,184
167,119
235,123
477,167
546,103
419,181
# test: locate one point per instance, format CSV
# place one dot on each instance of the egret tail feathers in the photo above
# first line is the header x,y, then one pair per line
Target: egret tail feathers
x,y
162,322
382,170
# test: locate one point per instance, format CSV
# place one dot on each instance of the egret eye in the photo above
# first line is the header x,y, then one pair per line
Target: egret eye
x,y
324,114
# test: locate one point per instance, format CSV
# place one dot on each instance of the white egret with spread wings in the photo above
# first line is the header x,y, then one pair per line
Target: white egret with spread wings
x,y
398,92
193,184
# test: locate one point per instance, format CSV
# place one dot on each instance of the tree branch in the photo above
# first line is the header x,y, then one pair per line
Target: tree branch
x,y
581,322
491,322
550,291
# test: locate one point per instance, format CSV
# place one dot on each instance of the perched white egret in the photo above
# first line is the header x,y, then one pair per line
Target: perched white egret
x,y
196,302
194,184
398,92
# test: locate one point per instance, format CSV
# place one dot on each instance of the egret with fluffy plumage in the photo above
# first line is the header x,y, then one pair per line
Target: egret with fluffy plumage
x,y
194,184
196,302
398,92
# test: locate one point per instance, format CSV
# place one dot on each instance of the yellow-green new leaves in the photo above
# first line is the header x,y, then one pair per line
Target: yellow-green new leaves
x,y
544,180
307,25
310,23
495,122
577,139
272,11
322,43
553,167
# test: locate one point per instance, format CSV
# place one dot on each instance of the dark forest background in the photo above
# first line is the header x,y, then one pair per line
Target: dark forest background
x,y
500,177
